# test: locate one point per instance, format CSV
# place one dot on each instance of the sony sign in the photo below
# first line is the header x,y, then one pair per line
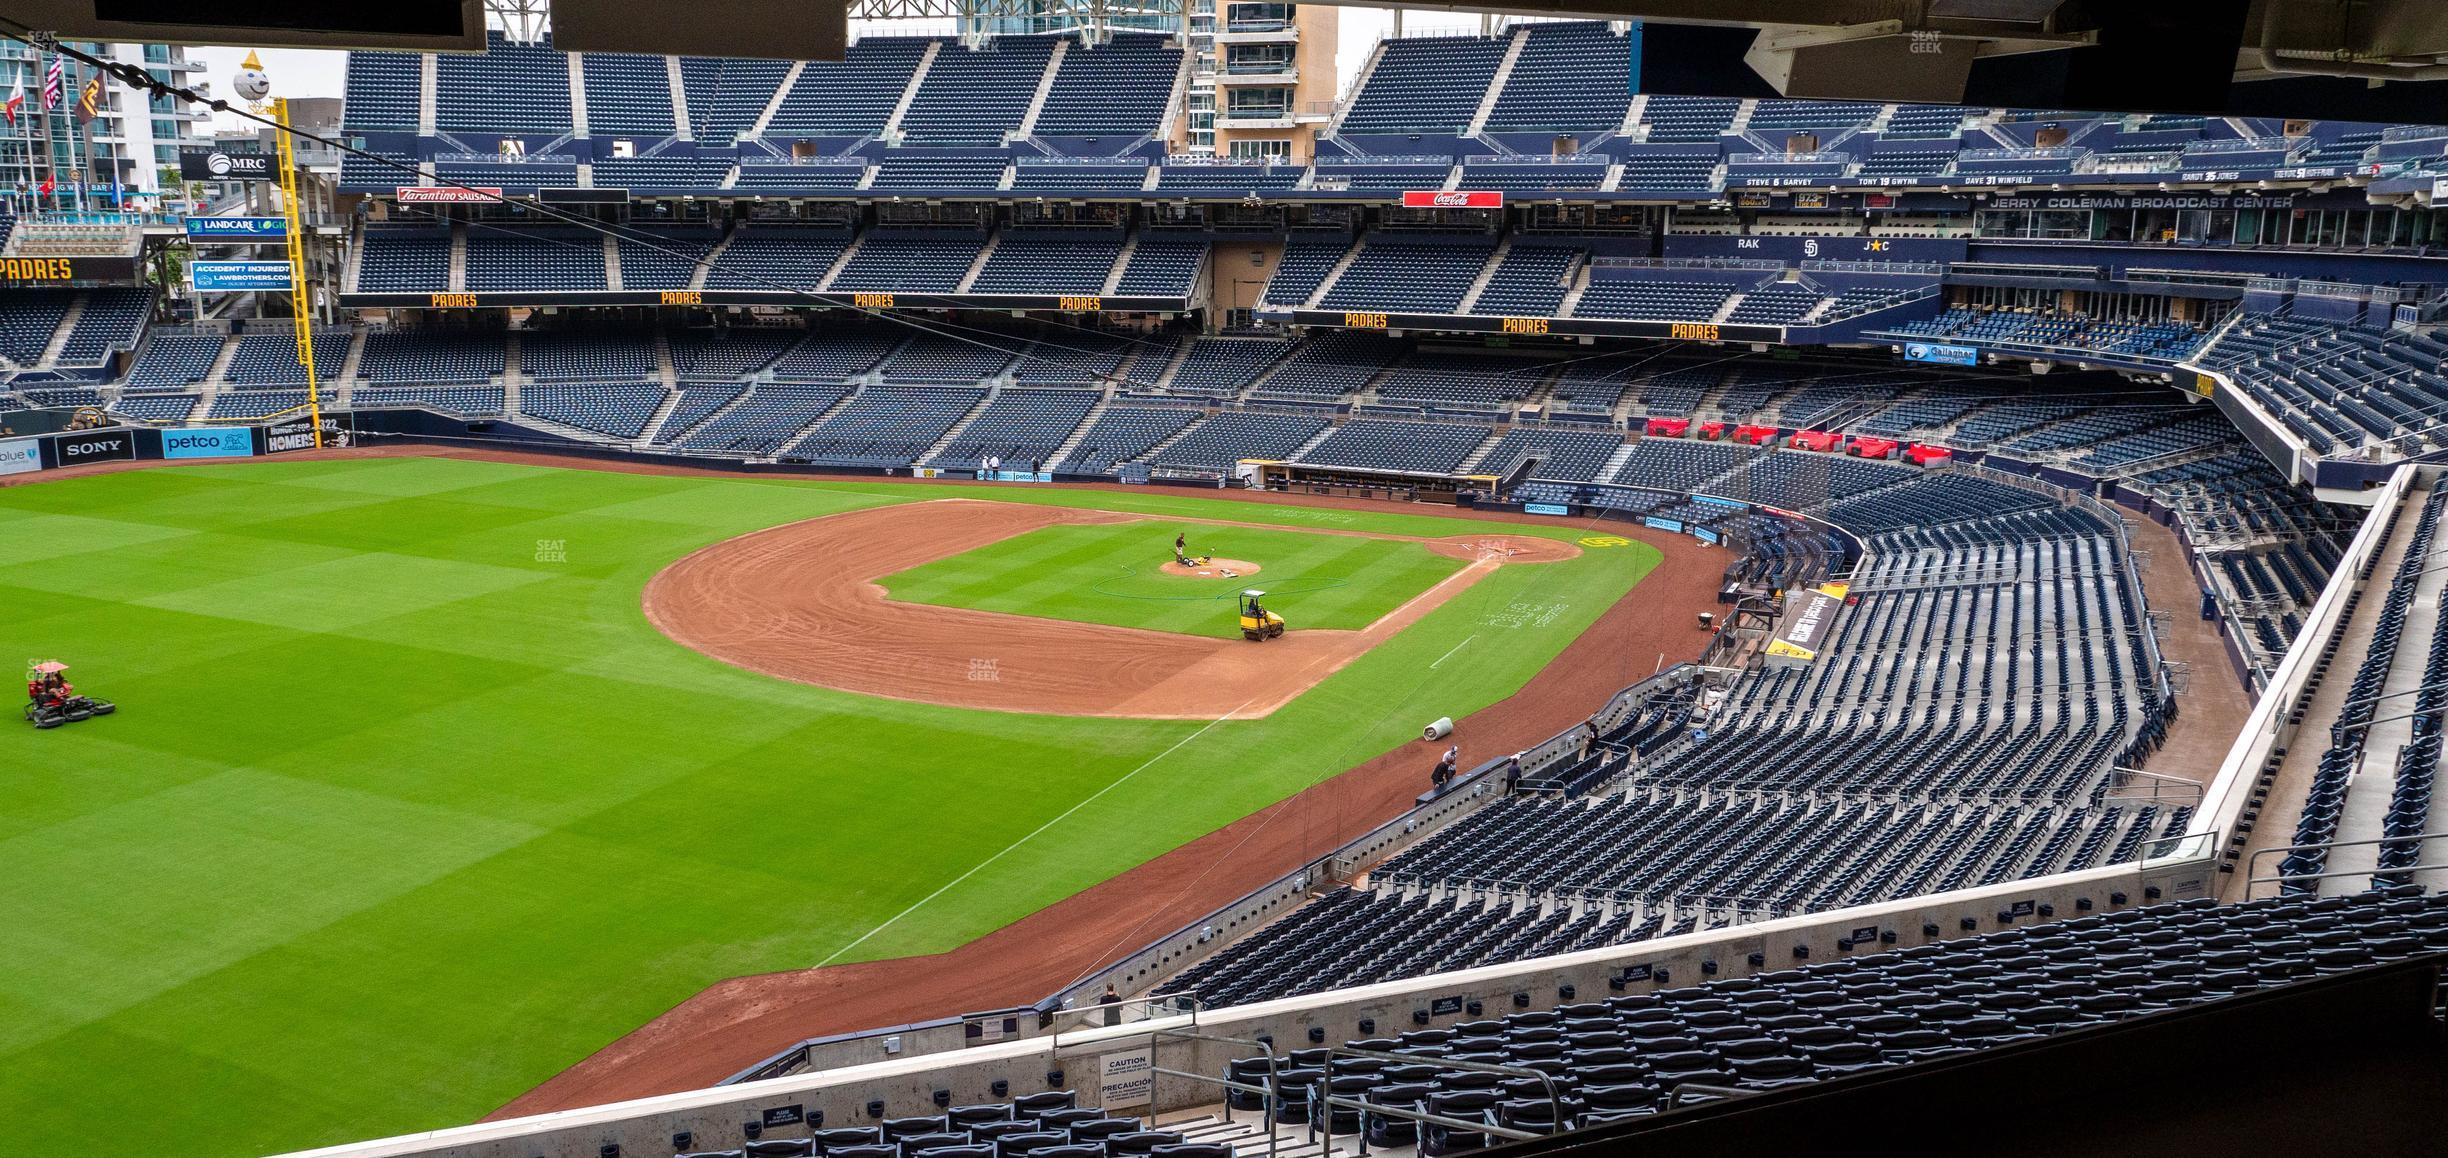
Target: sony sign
x,y
79,449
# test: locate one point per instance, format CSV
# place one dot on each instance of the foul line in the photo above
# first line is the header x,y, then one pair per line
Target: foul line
x,y
1033,833
1457,647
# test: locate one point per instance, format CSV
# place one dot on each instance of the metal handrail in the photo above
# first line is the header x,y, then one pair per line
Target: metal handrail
x,y
2253,864
1555,1101
1719,1092
1272,1091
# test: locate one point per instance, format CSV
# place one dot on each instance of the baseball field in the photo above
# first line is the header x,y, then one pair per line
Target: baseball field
x,y
415,796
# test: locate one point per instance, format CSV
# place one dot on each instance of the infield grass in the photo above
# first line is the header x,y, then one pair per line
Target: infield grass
x,y
407,807
1111,574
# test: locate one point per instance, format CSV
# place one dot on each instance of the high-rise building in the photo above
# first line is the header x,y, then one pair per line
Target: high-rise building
x,y
1262,80
128,150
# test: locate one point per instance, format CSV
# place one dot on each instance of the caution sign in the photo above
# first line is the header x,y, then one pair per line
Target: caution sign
x,y
1127,1078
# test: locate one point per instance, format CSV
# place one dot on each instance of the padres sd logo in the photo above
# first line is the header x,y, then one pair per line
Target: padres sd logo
x,y
1603,541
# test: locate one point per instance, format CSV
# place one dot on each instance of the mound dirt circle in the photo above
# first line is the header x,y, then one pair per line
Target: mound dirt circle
x,y
802,602
1211,569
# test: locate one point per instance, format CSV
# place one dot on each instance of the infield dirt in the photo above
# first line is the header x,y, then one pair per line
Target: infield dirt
x,y
802,602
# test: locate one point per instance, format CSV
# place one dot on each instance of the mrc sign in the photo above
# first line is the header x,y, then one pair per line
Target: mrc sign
x,y
1453,199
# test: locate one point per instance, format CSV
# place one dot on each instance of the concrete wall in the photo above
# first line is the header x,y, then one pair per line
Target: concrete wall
x,y
908,1086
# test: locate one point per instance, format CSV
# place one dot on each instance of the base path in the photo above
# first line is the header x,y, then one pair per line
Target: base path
x,y
802,602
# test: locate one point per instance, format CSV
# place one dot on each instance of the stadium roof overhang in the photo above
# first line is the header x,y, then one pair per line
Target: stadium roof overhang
x,y
2310,58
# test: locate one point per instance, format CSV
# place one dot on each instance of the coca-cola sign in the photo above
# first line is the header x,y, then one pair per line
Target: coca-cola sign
x,y
1453,199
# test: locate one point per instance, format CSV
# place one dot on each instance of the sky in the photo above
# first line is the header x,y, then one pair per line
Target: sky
x,y
306,73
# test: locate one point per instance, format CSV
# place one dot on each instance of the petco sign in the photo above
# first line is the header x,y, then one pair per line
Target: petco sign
x,y
20,456
1453,199
218,442
444,194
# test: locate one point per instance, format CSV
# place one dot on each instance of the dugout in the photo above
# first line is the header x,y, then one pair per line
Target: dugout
x,y
1363,483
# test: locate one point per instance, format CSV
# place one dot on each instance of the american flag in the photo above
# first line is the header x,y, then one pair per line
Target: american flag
x,y
52,80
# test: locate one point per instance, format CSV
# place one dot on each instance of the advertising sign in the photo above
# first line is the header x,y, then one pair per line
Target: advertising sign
x,y
1655,523
97,446
1942,355
443,194
296,434
35,271
1453,199
1831,247
1705,535
1809,616
237,229
221,277
209,442
20,456
224,165
1546,509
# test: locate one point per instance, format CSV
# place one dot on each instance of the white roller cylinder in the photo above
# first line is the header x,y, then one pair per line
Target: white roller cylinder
x,y
1439,730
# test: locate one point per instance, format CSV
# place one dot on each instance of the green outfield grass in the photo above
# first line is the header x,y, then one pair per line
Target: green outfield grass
x,y
407,807
1110,573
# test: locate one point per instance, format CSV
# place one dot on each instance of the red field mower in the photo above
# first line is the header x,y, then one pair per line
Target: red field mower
x,y
51,700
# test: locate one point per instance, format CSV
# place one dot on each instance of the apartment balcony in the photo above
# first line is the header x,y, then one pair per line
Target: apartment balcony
x,y
1290,116
1277,76
1257,32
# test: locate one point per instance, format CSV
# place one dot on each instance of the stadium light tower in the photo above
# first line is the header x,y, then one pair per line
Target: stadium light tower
x,y
525,21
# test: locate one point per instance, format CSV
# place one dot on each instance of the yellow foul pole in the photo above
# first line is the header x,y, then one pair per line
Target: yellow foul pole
x,y
299,306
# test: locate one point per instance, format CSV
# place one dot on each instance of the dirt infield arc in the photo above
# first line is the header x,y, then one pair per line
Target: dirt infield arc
x,y
801,602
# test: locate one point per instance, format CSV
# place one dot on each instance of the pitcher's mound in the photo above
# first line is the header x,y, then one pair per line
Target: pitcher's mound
x,y
1212,569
